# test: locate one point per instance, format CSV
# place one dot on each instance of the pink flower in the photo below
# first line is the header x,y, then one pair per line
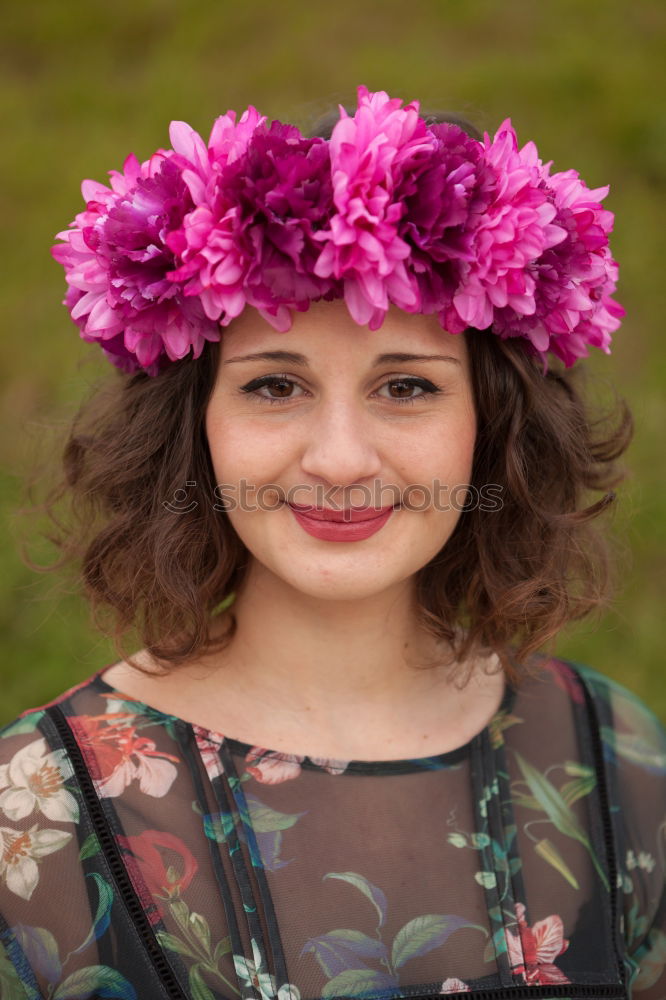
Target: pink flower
x,y
533,950
117,262
512,227
370,154
208,744
212,261
272,768
389,210
116,756
439,193
575,279
284,194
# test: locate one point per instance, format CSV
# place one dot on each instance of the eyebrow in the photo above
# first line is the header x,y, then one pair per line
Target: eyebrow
x,y
292,358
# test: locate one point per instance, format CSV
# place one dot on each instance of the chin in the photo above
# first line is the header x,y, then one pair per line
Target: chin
x,y
343,572
338,576
341,587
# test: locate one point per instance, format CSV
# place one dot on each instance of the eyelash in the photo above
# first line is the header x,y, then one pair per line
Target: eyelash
x,y
428,387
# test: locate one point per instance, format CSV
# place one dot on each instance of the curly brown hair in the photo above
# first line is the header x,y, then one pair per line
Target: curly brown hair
x,y
513,577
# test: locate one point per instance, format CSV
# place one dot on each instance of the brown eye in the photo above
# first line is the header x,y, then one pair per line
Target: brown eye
x,y
272,388
402,389
280,387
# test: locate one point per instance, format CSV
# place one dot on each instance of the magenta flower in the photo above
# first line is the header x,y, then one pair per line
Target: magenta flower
x,y
208,245
389,210
512,229
284,193
116,262
439,193
575,279
370,155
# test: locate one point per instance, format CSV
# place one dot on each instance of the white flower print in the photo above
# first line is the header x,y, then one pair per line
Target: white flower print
x,y
644,861
19,852
34,779
331,764
253,973
454,986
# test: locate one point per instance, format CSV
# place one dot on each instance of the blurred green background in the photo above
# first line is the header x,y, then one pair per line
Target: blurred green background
x,y
84,84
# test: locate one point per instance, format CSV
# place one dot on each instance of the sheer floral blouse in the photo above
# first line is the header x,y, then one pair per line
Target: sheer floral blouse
x,y
145,857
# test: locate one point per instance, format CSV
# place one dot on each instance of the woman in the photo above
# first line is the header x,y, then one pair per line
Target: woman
x,y
340,765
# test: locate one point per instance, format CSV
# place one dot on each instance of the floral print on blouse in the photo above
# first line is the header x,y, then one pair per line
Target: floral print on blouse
x,y
145,857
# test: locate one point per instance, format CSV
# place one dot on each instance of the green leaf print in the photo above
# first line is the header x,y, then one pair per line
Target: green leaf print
x,y
546,850
374,894
198,989
196,944
26,725
501,721
341,949
341,952
200,930
11,987
353,982
173,943
652,958
218,826
97,981
557,811
41,951
422,935
496,946
222,947
267,820
103,915
635,749
578,788
89,847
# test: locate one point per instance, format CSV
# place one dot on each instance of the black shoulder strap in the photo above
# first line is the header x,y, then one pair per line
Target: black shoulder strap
x,y
599,716
113,858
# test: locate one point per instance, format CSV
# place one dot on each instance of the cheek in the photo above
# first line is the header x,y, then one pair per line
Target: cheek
x,y
246,450
446,456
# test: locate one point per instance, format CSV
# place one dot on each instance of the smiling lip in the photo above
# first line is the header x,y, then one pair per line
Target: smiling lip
x,y
319,523
348,516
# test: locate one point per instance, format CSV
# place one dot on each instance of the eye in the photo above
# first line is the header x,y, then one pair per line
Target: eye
x,y
405,387
279,386
283,385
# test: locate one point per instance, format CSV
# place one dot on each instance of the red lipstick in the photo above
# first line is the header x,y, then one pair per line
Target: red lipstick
x,y
350,525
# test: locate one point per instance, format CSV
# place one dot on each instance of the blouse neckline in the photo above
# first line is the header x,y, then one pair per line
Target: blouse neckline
x,y
437,761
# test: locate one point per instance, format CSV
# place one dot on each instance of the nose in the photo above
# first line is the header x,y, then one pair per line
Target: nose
x,y
340,447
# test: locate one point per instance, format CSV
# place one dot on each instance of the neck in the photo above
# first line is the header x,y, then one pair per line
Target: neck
x,y
298,653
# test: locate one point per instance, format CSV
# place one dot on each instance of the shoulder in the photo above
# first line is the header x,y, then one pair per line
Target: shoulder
x,y
30,723
615,707
629,728
33,758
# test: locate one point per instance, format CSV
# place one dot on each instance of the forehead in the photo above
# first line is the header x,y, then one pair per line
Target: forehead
x,y
326,331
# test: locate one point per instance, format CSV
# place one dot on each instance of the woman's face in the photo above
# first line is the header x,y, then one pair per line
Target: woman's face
x,y
346,418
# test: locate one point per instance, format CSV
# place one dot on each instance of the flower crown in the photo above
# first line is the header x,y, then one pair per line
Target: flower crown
x,y
389,210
